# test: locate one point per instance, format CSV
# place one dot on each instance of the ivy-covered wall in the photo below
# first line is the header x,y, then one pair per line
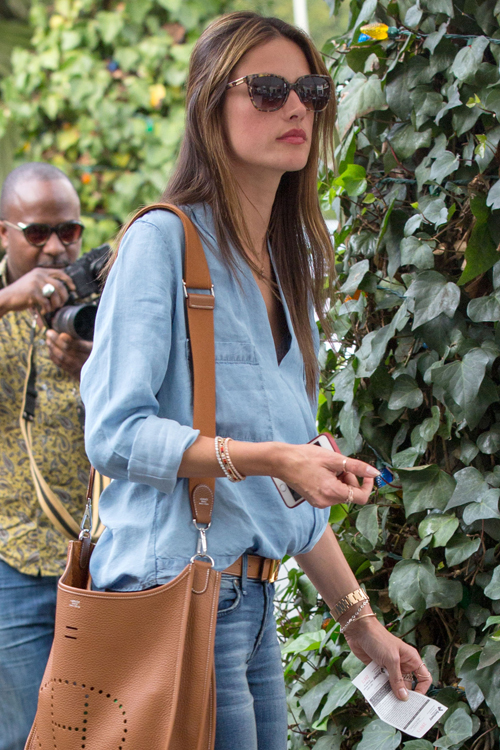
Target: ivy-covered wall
x,y
412,382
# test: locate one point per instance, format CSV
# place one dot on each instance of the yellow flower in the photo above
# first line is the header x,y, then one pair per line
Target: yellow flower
x,y
157,93
56,21
375,30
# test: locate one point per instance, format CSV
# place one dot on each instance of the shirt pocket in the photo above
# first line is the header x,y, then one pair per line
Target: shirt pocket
x,y
243,411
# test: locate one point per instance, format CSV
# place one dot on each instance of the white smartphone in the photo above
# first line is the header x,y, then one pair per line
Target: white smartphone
x,y
291,498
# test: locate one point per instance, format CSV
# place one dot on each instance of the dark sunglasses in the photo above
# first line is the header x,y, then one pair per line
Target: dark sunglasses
x,y
270,92
39,234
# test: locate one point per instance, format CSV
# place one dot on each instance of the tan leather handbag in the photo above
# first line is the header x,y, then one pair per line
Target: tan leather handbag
x,y
135,670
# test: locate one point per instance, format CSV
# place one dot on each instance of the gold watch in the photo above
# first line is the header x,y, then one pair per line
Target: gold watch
x,y
355,597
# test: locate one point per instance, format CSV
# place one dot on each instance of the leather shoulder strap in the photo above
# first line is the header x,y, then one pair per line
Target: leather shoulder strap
x,y
200,316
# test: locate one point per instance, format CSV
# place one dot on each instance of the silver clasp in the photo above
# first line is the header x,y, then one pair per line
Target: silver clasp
x,y
86,524
202,548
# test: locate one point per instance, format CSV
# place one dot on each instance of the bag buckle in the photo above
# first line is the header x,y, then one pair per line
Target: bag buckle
x,y
202,548
86,524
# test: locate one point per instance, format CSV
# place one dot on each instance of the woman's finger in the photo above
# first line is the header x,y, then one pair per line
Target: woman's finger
x,y
358,468
411,661
393,667
424,679
349,490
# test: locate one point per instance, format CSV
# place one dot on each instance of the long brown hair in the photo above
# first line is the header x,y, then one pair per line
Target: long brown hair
x,y
302,249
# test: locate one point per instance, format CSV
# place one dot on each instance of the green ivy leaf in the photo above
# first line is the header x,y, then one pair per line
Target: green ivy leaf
x,y
484,309
360,96
418,745
338,696
352,180
367,523
432,295
490,653
444,165
439,6
486,507
375,343
379,735
413,586
440,527
470,483
457,729
425,488
461,381
415,252
489,442
304,642
406,140
469,58
311,700
357,273
492,590
430,426
460,548
405,394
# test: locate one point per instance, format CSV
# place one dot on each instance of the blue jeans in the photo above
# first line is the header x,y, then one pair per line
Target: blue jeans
x,y
251,703
27,613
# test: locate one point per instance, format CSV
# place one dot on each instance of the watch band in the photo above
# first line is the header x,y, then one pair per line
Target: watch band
x,y
355,597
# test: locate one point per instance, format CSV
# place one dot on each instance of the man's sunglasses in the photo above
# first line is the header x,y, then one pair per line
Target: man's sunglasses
x,y
270,92
39,234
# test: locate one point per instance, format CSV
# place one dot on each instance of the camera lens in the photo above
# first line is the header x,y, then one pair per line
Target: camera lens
x,y
76,320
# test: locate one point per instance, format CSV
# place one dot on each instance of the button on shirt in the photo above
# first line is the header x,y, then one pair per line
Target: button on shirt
x,y
137,391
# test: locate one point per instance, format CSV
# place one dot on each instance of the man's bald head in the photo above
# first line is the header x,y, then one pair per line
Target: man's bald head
x,y
36,193
35,171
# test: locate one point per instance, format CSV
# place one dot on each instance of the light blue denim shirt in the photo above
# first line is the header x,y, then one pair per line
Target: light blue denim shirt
x,y
136,387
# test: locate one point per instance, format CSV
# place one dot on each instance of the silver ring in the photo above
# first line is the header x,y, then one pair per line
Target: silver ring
x,y
48,290
350,494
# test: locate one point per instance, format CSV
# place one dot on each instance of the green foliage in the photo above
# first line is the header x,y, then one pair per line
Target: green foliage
x,y
101,95
412,380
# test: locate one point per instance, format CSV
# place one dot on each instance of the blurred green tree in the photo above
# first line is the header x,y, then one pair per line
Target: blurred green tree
x,y
100,94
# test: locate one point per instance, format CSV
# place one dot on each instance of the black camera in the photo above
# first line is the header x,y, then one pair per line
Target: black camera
x,y
75,318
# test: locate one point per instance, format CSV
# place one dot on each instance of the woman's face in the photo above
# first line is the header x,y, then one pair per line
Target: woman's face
x,y
259,140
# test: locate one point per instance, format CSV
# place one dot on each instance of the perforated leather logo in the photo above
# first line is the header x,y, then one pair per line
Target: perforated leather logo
x,y
72,706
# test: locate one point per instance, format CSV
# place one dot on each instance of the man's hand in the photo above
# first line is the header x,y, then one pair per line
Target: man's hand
x,y
68,353
26,292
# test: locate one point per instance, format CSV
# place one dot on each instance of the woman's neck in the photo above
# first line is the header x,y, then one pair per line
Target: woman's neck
x,y
257,192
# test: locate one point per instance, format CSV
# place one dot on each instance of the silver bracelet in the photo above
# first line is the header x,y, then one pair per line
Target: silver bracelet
x,y
354,616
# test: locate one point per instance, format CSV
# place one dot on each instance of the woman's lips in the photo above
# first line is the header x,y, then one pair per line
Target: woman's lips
x,y
293,136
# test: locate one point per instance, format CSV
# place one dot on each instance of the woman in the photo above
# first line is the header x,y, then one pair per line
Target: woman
x,y
247,178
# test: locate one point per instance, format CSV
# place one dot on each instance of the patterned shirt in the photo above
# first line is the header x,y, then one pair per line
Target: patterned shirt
x,y
28,541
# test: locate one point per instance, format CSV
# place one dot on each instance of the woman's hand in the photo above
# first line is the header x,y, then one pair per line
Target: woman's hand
x,y
370,641
325,477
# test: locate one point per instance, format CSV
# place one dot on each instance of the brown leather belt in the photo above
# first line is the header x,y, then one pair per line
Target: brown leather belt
x,y
262,568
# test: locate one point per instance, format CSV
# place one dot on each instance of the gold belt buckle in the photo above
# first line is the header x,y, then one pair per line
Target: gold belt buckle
x,y
274,570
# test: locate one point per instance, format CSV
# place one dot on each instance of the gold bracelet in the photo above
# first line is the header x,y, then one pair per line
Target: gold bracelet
x,y
348,601
239,476
355,619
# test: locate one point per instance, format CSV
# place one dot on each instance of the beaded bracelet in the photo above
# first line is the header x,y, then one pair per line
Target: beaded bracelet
x,y
355,616
224,460
240,477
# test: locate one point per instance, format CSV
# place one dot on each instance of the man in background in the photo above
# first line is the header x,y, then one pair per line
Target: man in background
x,y
40,232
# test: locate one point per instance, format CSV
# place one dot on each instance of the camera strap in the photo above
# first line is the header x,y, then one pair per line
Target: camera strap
x,y
47,498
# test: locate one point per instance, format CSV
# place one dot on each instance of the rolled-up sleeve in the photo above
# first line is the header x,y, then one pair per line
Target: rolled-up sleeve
x,y
125,437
